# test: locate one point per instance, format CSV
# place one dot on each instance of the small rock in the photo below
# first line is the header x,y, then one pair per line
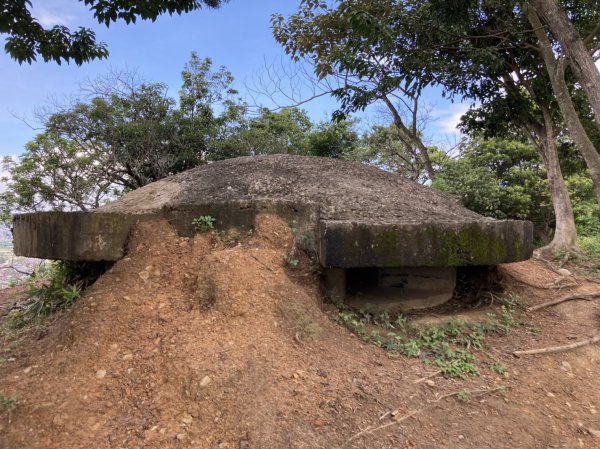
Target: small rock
x,y
206,380
550,395
461,437
594,433
563,272
144,275
28,369
128,357
187,419
101,373
58,420
180,436
319,423
430,383
566,366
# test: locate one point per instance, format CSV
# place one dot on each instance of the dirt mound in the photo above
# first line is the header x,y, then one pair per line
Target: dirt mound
x,y
188,343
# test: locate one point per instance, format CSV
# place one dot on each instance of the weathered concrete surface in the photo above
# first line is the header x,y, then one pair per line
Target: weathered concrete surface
x,y
100,236
72,235
352,215
485,242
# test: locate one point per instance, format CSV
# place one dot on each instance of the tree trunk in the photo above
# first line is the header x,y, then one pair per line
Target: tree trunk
x,y
556,72
574,49
411,138
565,233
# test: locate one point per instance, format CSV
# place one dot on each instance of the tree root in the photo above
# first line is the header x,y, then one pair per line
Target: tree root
x,y
577,344
584,296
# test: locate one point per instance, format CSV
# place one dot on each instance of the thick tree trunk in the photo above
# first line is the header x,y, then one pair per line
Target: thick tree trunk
x,y
574,49
565,233
556,72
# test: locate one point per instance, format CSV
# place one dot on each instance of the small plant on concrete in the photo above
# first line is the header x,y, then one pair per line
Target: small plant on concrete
x,y
203,223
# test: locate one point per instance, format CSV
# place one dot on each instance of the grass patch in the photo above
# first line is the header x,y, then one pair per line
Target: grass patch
x,y
451,347
54,286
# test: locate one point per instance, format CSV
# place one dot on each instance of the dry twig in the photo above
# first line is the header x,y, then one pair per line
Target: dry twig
x,y
262,263
398,419
435,373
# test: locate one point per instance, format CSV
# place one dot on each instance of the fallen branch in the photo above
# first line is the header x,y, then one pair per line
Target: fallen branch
x,y
584,296
435,373
262,263
397,420
577,344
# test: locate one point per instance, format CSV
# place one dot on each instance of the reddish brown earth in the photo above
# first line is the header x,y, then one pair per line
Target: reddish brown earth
x,y
188,344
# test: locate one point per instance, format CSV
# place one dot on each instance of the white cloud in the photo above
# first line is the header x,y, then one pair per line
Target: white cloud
x,y
49,18
449,119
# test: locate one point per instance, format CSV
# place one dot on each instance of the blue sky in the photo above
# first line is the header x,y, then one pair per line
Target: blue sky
x,y
237,36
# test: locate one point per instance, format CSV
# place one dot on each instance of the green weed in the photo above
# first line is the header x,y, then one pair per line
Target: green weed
x,y
463,396
203,223
498,368
447,346
7,405
291,261
53,287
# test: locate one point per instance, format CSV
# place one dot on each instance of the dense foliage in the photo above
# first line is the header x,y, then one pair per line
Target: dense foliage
x,y
27,38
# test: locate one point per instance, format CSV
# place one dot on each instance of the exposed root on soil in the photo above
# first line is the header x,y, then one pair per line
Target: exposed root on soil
x,y
583,296
550,349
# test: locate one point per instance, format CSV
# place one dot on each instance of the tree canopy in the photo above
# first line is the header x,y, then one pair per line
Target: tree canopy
x,y
27,39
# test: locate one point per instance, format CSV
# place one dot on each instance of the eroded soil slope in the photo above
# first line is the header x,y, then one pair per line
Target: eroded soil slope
x,y
188,344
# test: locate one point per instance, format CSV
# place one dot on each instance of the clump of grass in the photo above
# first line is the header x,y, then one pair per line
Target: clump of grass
x,y
498,368
7,405
53,287
450,346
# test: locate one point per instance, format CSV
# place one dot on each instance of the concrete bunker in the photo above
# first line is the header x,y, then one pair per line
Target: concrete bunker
x,y
382,241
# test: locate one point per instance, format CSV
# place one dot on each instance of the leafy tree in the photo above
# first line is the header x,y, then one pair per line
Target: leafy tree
x,y
27,39
270,132
57,173
501,179
127,135
383,147
350,43
335,139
